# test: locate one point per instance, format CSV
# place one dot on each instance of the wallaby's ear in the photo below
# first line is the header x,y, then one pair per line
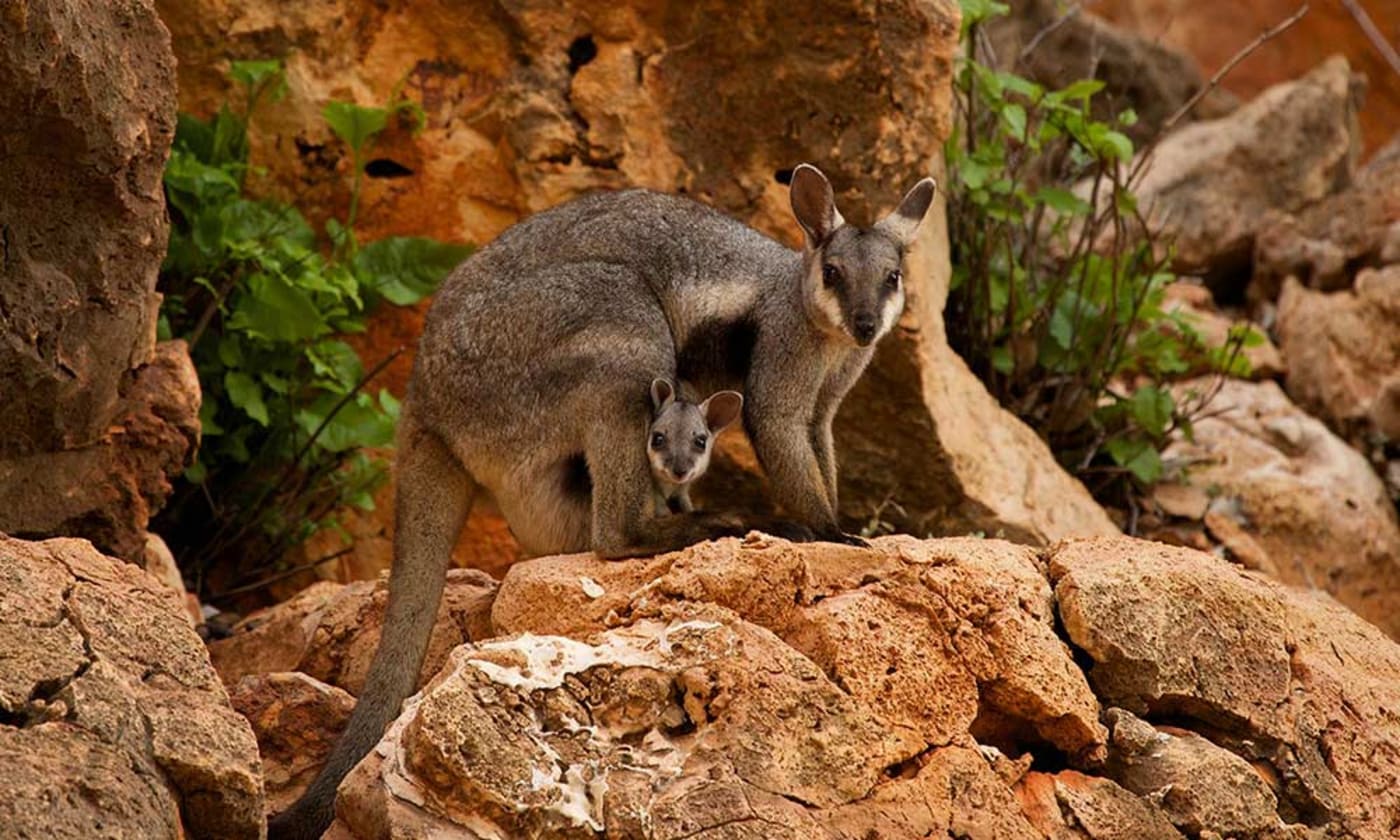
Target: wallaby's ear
x,y
814,204
721,409
903,223
661,394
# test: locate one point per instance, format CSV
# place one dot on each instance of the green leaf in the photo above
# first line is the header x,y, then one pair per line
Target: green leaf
x,y
1152,408
355,124
1082,89
353,426
255,74
390,404
1136,456
337,361
1115,144
273,309
1015,117
976,11
1062,201
405,269
1001,359
245,393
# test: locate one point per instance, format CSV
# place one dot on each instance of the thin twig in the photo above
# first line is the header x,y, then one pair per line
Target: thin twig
x,y
1263,38
282,575
1046,32
1373,33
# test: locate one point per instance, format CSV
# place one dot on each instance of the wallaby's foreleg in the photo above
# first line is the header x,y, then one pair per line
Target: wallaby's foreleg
x,y
434,495
824,447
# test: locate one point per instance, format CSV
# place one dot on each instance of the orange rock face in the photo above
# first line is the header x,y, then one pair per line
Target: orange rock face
x,y
1214,32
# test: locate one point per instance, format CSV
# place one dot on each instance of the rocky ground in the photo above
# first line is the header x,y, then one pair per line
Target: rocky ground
x,y
1235,675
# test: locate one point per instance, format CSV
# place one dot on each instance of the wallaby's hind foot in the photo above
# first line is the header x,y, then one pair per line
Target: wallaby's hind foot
x,y
434,495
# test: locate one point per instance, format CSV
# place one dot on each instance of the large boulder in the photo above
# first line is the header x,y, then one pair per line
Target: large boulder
x,y
1283,494
1324,244
528,105
330,631
1343,353
1207,187
753,687
98,419
112,721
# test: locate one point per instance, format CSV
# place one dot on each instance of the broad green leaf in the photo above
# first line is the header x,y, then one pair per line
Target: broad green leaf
x,y
355,124
353,425
273,309
245,393
1082,89
1015,117
1152,408
266,75
405,269
1062,201
1137,457
337,361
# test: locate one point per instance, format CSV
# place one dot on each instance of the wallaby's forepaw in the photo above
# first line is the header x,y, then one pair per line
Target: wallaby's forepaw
x,y
846,539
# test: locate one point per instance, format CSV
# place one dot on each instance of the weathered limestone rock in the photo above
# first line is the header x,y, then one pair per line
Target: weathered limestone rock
x,y
750,688
1290,679
98,418
1343,350
1208,185
532,104
1199,785
1325,243
297,720
330,631
1288,497
112,722
1197,305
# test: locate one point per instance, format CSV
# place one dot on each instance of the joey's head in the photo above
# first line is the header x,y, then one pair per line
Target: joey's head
x,y
682,433
853,277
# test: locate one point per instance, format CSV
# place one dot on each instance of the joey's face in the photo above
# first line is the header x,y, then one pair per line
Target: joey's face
x,y
679,443
855,284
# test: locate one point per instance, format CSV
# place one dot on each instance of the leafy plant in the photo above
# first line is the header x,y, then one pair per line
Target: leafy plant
x,y
288,421
1058,286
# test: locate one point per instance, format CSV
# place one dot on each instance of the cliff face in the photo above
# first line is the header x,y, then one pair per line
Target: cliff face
x,y
530,104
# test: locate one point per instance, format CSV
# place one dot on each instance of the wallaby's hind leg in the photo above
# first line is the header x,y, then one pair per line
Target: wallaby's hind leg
x,y
434,496
548,508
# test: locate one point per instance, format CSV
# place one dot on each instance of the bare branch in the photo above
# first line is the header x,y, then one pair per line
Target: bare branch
x,y
1373,33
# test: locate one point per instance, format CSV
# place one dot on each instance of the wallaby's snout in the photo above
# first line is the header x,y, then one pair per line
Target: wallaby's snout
x,y
863,329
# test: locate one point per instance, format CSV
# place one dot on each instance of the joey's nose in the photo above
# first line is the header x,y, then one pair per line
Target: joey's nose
x,y
864,329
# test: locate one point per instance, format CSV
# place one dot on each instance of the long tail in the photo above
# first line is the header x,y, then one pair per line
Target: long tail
x,y
435,494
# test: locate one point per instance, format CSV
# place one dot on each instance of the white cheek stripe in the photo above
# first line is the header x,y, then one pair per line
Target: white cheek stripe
x,y
890,313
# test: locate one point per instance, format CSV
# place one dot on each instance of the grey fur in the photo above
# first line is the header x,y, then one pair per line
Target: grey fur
x,y
531,381
681,438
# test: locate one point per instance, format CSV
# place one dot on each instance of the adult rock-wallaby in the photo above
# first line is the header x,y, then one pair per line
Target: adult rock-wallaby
x,y
532,376
680,440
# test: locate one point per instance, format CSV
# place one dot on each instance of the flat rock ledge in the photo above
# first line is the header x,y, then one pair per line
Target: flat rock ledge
x,y
1102,688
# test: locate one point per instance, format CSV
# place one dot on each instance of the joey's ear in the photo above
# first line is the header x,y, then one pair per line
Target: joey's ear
x,y
814,204
903,223
661,394
721,409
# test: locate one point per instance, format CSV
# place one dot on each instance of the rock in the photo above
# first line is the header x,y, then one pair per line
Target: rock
x,y
528,106
330,631
1290,497
1208,185
112,721
99,418
1324,243
1070,805
1055,46
297,720
160,564
941,636
748,688
1199,785
1343,349
1214,33
1287,678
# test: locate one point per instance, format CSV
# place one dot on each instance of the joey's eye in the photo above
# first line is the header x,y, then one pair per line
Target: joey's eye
x,y
701,441
893,279
831,275
658,440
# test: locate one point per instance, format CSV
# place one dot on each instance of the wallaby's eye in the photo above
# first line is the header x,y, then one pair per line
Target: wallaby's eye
x,y
831,276
658,440
701,441
893,279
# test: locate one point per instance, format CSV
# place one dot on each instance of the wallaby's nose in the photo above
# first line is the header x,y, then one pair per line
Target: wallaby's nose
x,y
864,329
680,472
